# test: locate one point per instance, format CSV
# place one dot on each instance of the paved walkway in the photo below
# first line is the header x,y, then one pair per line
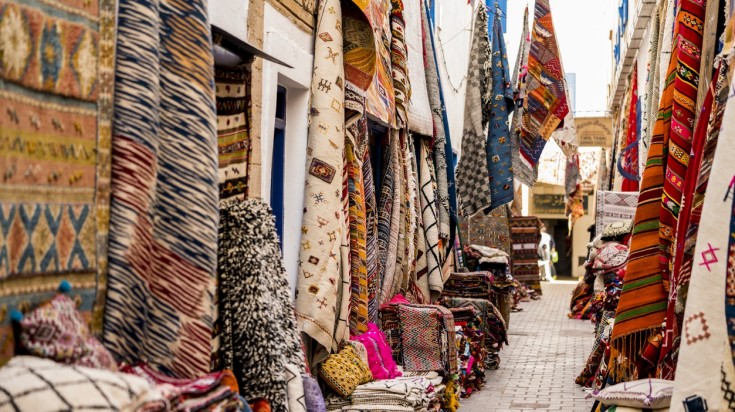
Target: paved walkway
x,y
547,351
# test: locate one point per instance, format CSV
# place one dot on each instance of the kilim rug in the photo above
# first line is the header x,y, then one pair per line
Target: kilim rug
x,y
380,94
356,130
473,186
371,242
430,219
642,306
323,283
419,109
705,357
522,172
525,235
546,104
491,230
444,175
613,207
628,159
232,89
54,203
425,338
399,63
651,95
259,338
387,236
360,56
500,168
164,209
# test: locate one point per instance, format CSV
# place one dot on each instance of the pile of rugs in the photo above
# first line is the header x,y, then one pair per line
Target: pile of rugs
x,y
598,294
471,349
399,394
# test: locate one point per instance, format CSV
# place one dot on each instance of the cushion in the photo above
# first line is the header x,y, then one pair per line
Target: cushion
x,y
644,393
380,357
55,330
344,370
313,395
41,385
617,229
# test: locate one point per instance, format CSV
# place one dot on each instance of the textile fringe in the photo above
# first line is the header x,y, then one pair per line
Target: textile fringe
x,y
622,368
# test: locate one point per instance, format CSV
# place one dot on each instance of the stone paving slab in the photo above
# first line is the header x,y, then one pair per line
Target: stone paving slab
x,y
547,350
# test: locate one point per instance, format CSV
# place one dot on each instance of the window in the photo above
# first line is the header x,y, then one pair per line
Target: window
x,y
279,161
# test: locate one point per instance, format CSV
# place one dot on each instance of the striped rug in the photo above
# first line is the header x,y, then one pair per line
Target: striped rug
x,y
164,209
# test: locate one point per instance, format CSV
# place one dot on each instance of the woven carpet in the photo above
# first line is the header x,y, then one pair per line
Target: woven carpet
x,y
445,187
708,318
323,284
232,89
54,202
628,159
546,104
642,306
491,230
419,109
525,234
525,173
613,207
426,336
473,187
164,209
356,129
427,185
500,168
380,94
371,241
259,338
399,63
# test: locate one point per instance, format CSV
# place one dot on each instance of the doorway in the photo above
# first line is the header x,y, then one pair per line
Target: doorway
x,y
558,229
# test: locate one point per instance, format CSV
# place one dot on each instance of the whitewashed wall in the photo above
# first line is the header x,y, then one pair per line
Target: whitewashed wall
x,y
231,16
286,42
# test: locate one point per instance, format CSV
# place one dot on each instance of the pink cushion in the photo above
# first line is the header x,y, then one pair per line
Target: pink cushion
x,y
380,359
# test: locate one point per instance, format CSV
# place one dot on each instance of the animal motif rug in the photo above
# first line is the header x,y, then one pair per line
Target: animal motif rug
x,y
54,202
164,209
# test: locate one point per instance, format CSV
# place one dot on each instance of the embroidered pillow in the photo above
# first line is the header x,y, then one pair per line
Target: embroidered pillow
x,y
344,370
34,384
55,330
380,358
644,393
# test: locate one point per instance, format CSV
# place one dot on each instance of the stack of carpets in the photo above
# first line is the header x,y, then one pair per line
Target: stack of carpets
x,y
525,233
409,394
491,323
468,285
471,350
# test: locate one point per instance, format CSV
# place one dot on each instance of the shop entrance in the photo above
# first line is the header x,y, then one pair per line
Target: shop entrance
x,y
558,229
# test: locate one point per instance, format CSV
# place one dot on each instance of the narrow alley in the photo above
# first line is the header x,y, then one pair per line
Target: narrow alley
x,y
547,351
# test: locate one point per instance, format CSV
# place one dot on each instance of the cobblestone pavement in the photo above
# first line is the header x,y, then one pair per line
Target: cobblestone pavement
x,y
547,351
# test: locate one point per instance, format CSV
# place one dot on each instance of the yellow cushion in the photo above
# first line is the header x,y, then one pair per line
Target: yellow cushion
x,y
344,370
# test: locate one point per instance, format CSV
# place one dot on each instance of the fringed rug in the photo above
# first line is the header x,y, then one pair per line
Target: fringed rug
x,y
54,203
164,209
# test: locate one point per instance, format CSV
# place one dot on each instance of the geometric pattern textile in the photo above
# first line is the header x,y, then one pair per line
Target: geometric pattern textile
x,y
613,207
473,183
500,169
41,385
546,105
426,335
490,230
705,356
323,261
525,234
643,302
522,171
232,89
164,208
55,156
